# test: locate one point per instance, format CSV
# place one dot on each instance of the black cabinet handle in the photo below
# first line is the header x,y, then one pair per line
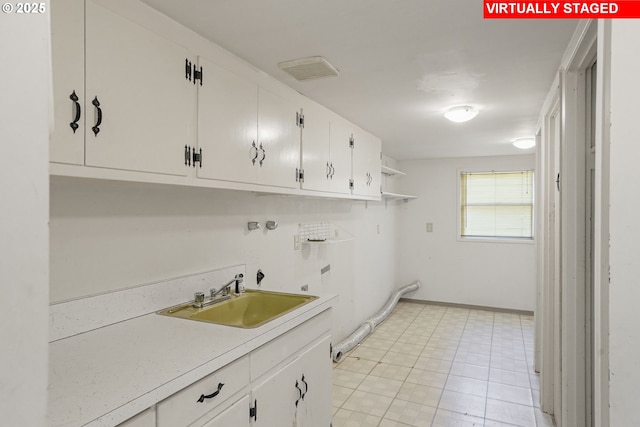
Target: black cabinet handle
x,y
333,170
264,155
212,395
96,104
299,393
187,69
74,123
306,387
328,171
253,147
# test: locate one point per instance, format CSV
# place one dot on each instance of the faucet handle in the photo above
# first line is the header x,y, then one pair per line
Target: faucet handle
x,y
212,292
198,297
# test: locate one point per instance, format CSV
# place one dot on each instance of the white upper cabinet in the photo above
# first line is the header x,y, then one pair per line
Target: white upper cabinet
x,y
67,48
326,154
278,145
366,164
316,154
341,154
139,101
227,125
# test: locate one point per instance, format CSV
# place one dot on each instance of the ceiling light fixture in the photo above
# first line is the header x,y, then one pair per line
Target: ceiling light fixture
x,y
461,114
524,143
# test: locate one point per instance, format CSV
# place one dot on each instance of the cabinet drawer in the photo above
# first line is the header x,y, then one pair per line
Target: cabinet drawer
x,y
184,407
271,354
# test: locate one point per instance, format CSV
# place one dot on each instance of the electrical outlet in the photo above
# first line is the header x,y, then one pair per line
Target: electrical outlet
x,y
429,227
336,234
296,242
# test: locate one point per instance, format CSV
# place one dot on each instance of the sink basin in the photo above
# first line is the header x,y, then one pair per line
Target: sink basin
x,y
248,310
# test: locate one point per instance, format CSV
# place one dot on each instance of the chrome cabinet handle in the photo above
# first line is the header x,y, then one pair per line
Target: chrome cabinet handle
x,y
264,154
253,147
74,123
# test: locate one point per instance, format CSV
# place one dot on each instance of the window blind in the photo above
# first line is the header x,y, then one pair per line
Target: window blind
x,y
497,204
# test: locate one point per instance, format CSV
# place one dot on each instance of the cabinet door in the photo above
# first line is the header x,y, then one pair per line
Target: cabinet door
x,y
315,367
315,148
147,105
237,415
366,165
278,140
276,398
67,51
227,125
341,152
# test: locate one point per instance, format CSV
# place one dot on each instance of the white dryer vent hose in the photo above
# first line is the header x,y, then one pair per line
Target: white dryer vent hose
x,y
367,327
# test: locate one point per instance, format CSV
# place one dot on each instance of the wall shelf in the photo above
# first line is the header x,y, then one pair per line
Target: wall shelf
x,y
395,196
386,170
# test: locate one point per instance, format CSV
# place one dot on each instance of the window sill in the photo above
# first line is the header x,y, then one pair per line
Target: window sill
x,y
515,240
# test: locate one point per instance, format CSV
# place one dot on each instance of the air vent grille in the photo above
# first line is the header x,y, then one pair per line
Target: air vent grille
x,y
315,67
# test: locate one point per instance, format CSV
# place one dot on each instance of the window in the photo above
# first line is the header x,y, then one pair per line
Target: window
x,y
496,204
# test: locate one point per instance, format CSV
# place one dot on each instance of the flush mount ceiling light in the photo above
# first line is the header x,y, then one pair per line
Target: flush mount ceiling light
x,y
461,114
524,143
315,67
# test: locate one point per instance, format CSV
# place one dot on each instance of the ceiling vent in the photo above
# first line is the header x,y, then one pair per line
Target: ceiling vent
x,y
315,67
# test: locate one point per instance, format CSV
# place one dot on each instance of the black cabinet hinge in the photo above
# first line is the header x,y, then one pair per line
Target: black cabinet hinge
x,y
299,119
197,157
187,155
351,142
299,175
350,184
253,412
197,74
331,350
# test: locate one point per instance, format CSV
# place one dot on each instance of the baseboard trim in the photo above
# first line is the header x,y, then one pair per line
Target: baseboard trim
x,y
469,306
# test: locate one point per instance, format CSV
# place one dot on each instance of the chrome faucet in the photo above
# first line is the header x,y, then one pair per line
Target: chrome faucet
x,y
215,294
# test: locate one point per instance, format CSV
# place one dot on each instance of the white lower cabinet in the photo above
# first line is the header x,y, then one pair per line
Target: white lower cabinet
x,y
298,394
285,382
234,416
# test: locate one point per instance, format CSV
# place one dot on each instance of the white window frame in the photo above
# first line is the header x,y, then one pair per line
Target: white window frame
x,y
489,239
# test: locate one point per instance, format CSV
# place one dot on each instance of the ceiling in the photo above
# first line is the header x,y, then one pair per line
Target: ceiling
x,y
402,64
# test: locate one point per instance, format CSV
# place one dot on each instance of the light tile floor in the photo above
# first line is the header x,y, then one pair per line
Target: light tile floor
x,y
429,365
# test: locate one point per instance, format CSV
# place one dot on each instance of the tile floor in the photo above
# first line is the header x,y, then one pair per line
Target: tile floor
x,y
429,365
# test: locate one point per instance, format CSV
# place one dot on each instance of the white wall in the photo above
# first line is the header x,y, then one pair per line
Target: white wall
x,y
112,235
24,135
477,273
624,255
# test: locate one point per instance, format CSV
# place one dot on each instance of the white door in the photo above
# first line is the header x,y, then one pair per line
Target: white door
x,y
146,112
67,51
227,125
237,415
315,368
278,140
315,148
341,133
277,398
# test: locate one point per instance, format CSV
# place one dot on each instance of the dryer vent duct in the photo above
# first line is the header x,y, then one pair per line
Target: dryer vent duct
x,y
363,331
315,67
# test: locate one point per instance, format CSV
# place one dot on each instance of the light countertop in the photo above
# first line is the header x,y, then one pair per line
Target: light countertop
x,y
107,375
